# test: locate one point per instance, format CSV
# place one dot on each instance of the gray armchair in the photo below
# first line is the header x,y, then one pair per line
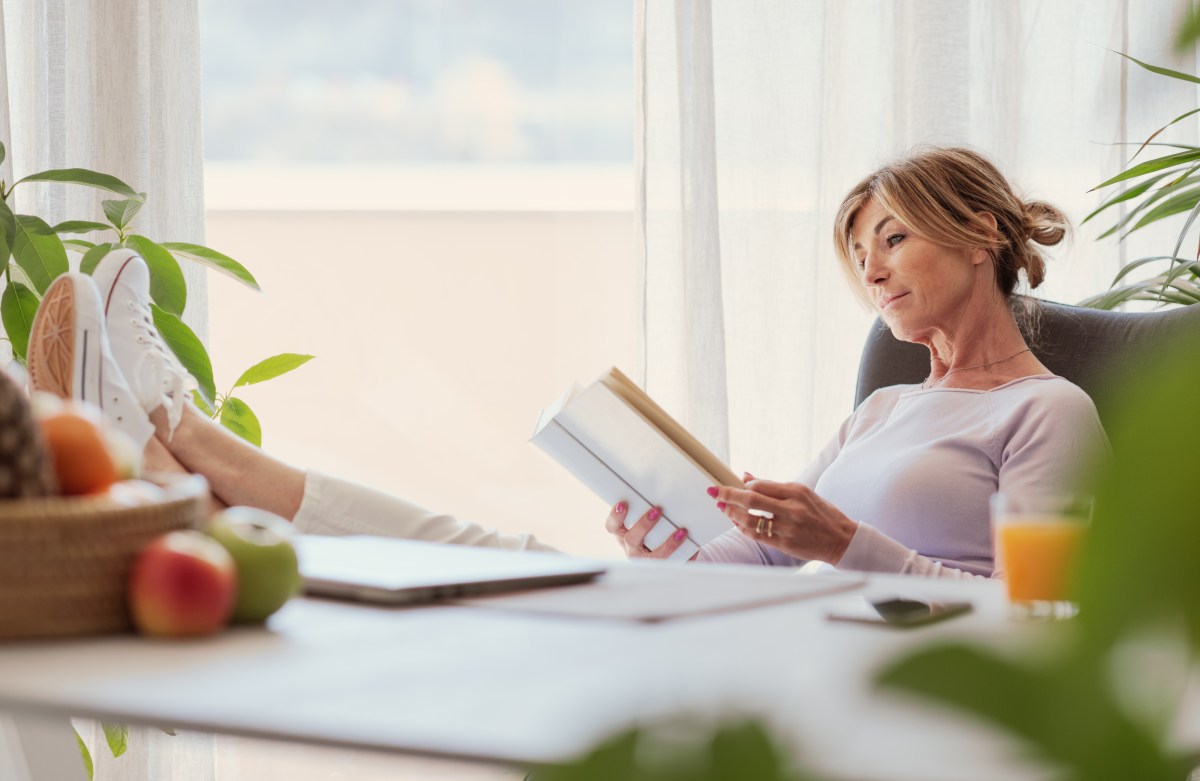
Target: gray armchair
x,y
1087,346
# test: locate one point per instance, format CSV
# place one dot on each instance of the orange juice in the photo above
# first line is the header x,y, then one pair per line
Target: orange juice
x,y
1038,555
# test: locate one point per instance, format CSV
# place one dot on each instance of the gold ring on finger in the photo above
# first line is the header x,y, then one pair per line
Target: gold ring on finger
x,y
761,522
770,527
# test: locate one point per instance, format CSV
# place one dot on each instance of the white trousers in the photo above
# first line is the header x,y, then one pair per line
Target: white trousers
x,y
334,506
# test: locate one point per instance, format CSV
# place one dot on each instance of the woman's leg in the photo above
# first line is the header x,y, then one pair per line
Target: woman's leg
x,y
158,460
238,473
242,474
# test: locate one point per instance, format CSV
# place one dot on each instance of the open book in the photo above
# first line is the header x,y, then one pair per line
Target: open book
x,y
623,446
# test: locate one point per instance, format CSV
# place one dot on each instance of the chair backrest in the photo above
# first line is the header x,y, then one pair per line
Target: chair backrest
x,y
1089,347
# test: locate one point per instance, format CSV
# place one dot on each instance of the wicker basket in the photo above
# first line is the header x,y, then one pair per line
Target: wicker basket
x,y
64,562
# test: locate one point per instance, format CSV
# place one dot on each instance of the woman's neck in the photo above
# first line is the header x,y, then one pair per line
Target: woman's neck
x,y
983,340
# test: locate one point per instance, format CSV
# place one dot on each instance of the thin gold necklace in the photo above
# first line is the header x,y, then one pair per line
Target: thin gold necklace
x,y
927,384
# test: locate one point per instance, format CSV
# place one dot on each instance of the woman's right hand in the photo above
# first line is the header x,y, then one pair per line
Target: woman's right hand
x,y
633,539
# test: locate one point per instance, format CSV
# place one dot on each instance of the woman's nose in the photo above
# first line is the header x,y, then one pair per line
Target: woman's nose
x,y
873,271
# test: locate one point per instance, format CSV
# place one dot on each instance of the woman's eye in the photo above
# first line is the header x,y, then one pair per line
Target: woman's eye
x,y
861,263
894,239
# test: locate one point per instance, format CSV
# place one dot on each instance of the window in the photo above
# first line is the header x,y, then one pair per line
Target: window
x,y
437,198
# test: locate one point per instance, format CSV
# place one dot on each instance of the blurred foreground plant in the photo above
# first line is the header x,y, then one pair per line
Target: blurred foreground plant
x,y
742,751
1101,696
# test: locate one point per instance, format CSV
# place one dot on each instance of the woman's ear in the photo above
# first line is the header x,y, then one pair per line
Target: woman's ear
x,y
981,255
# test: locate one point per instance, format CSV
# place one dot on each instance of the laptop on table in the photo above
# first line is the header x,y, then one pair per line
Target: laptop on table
x,y
388,571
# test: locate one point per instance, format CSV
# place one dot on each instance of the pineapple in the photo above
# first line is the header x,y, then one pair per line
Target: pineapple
x,y
25,467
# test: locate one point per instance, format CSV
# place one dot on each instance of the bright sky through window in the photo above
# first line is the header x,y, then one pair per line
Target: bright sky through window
x,y
418,81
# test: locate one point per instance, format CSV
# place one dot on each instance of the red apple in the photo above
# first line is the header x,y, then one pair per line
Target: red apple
x,y
183,584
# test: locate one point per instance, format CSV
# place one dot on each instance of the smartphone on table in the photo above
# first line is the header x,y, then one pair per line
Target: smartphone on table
x,y
896,611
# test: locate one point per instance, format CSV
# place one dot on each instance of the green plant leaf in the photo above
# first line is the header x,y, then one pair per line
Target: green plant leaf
x,y
746,751
80,226
1187,225
1132,192
1179,118
1150,166
1165,287
167,286
1189,30
121,213
92,258
188,349
1111,299
272,367
202,403
214,260
1176,204
117,737
1063,708
237,416
1180,290
8,233
18,305
615,758
1161,70
1136,264
38,251
680,752
85,755
2,153
1167,190
1149,477
87,178
77,245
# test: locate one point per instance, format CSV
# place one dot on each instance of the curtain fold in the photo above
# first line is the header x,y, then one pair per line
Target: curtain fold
x,y
113,86
754,120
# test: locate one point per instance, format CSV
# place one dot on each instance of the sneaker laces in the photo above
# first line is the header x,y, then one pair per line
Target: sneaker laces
x,y
167,375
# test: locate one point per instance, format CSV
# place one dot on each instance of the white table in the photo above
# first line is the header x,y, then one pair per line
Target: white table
x,y
488,684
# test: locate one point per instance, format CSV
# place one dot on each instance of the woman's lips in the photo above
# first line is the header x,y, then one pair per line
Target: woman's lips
x,y
887,301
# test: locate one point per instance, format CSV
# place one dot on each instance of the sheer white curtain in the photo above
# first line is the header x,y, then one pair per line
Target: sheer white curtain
x,y
112,85
755,118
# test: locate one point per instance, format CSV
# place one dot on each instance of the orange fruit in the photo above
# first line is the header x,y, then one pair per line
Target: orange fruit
x,y
80,454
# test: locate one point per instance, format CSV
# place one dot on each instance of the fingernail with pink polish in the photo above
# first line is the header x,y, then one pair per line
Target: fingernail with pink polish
x,y
680,535
712,491
655,514
620,508
720,505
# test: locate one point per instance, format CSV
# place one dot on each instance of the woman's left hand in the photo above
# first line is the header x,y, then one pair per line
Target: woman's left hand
x,y
804,525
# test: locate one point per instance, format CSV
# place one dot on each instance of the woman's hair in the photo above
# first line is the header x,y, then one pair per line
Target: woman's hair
x,y
940,193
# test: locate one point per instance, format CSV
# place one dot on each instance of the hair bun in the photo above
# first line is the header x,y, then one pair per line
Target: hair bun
x,y
1044,223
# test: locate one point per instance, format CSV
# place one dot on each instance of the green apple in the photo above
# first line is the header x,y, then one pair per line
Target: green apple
x,y
268,571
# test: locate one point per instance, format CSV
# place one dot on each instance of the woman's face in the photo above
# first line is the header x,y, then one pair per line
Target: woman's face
x,y
919,287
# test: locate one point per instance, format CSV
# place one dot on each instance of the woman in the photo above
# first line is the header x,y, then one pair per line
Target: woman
x,y
936,241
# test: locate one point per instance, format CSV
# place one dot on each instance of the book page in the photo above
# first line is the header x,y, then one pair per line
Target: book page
x,y
635,397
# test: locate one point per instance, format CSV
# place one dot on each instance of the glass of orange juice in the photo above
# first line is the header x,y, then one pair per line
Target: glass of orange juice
x,y
1038,538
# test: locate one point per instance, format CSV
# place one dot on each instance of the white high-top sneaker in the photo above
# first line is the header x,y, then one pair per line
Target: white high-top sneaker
x,y
69,355
154,374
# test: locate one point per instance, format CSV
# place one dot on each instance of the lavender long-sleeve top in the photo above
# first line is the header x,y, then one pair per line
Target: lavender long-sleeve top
x,y
916,468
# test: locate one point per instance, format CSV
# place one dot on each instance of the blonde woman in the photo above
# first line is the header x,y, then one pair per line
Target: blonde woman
x,y
935,242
